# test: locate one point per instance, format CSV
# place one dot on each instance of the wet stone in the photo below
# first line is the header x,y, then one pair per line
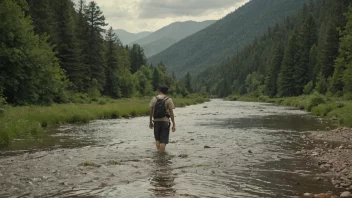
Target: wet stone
x,y
308,195
346,194
183,156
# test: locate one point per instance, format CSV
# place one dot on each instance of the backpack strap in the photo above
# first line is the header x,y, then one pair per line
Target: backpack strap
x,y
165,99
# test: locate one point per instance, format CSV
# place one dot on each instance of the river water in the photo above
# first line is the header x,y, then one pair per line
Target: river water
x,y
220,149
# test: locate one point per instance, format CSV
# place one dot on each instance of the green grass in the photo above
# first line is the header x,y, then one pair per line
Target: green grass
x,y
30,121
317,104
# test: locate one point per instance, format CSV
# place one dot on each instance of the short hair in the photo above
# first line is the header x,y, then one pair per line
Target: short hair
x,y
163,89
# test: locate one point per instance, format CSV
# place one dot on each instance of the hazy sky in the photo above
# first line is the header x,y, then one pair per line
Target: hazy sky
x,y
150,15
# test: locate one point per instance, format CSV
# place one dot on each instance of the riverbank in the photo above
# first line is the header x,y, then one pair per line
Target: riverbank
x,y
332,152
332,149
30,121
319,105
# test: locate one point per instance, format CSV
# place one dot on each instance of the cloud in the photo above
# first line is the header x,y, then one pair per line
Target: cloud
x,y
150,15
170,8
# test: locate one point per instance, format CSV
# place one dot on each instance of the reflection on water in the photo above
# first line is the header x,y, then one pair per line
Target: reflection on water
x,y
162,178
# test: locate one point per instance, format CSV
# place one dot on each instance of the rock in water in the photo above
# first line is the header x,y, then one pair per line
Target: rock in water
x,y
205,107
323,195
249,151
308,195
206,147
183,156
346,195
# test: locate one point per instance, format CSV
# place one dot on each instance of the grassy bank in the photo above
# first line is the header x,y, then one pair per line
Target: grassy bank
x,y
319,105
30,121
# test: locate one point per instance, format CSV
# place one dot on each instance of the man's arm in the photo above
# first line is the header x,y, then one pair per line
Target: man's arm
x,y
151,110
172,120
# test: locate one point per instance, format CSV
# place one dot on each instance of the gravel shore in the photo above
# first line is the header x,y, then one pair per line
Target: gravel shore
x,y
333,153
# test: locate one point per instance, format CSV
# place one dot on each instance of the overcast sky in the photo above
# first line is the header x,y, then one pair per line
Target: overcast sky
x,y
150,15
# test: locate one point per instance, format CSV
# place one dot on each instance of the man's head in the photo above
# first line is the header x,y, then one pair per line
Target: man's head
x,y
163,89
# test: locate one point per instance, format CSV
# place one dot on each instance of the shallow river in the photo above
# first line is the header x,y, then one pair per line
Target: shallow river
x,y
252,154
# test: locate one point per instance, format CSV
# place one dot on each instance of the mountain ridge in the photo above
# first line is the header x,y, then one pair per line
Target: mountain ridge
x,y
223,38
170,34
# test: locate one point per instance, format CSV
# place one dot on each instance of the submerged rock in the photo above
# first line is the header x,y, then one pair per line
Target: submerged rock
x,y
346,195
308,195
183,156
205,107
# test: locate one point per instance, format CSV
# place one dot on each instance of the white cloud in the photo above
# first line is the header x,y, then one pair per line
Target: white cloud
x,y
150,15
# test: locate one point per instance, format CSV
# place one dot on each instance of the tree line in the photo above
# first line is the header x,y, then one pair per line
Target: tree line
x,y
306,53
55,51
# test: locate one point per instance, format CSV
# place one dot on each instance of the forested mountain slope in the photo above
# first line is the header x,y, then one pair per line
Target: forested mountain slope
x,y
128,37
307,52
168,35
225,37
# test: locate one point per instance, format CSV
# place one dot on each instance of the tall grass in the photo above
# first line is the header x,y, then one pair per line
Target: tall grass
x,y
29,121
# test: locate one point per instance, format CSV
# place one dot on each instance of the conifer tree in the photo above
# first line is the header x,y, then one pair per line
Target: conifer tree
x,y
286,81
94,53
274,68
112,86
66,42
342,78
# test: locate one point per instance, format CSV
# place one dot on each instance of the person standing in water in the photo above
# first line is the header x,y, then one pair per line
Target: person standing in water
x,y
161,110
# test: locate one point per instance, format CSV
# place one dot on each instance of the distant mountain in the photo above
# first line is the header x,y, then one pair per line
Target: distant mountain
x,y
168,35
127,37
215,43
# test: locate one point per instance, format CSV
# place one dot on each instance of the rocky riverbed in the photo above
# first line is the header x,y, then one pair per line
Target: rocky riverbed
x,y
332,152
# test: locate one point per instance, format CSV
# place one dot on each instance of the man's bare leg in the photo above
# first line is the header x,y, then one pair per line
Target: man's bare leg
x,y
157,143
162,148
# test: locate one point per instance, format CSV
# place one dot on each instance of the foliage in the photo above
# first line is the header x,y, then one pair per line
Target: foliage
x,y
225,37
34,76
292,58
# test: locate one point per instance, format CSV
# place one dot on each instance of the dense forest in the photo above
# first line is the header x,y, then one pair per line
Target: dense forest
x,y
309,52
210,46
55,51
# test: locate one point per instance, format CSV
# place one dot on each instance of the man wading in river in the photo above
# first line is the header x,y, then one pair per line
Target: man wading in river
x,y
161,109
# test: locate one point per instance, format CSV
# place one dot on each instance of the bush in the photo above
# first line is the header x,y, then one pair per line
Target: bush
x,y
80,98
308,88
315,100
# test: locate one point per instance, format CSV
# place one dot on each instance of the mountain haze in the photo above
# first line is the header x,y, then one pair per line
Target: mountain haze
x,y
168,35
127,37
228,35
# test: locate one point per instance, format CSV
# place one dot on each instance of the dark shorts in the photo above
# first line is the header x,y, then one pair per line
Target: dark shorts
x,y
162,132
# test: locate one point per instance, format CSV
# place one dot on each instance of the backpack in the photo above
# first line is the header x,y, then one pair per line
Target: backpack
x,y
160,108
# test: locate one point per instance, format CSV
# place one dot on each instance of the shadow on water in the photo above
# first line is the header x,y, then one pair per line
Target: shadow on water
x,y
162,178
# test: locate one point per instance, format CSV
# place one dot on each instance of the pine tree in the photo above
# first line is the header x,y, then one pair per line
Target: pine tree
x,y
43,16
94,53
286,81
66,42
188,84
156,79
342,78
137,58
307,38
329,51
273,73
112,86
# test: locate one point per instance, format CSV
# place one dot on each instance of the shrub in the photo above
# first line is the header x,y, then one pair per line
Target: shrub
x,y
315,100
308,88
